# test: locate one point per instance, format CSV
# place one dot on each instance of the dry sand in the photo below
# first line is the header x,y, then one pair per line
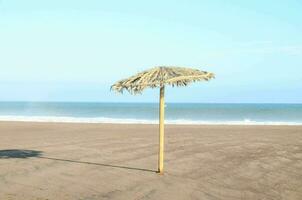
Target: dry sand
x,y
106,161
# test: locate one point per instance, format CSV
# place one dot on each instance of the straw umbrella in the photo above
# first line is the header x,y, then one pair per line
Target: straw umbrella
x,y
159,77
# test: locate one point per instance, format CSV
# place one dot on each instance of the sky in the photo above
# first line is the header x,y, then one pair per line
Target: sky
x,y
72,50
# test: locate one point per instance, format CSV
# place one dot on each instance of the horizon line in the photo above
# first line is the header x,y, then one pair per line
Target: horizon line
x,y
148,102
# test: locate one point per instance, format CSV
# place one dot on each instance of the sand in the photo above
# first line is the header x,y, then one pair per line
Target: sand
x,y
107,161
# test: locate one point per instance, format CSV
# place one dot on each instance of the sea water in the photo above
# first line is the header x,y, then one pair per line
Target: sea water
x,y
147,113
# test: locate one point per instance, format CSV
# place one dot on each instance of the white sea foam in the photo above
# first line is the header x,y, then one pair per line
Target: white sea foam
x,y
136,121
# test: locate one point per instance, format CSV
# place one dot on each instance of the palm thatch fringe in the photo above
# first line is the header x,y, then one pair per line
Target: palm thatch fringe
x,y
159,76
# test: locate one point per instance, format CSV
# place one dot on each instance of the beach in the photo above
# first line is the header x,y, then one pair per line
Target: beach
x,y
119,161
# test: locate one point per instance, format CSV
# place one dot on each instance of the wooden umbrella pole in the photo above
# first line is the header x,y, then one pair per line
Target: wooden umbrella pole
x,y
161,129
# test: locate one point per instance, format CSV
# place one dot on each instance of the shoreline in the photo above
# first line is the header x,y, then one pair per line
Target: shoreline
x,y
83,124
78,120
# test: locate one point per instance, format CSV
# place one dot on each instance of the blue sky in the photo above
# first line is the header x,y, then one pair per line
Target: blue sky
x,y
55,50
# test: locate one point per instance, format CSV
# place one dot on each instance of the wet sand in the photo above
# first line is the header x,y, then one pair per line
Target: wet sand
x,y
107,161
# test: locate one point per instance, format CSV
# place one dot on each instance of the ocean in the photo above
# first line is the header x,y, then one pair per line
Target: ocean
x,y
147,113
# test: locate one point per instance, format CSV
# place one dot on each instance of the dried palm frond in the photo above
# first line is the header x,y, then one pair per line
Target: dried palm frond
x,y
160,76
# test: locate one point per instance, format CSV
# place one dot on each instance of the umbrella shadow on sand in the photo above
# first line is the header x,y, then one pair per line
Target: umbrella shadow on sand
x,y
21,153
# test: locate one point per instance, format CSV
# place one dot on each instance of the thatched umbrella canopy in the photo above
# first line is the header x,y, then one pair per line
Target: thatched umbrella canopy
x,y
159,77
